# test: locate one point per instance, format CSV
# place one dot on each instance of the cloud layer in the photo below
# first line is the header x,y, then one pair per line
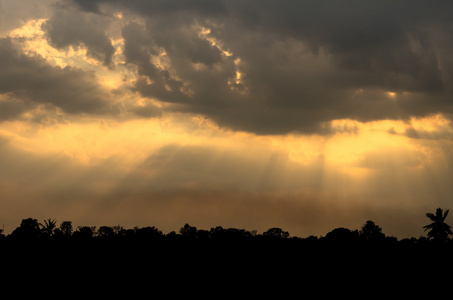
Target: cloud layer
x,y
263,67
270,67
30,81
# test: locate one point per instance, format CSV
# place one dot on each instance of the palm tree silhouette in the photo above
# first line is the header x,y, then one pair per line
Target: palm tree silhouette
x,y
49,226
439,229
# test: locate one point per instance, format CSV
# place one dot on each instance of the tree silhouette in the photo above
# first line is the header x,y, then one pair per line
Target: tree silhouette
x,y
188,231
105,231
148,233
28,229
341,235
276,232
84,232
48,226
66,228
439,230
371,232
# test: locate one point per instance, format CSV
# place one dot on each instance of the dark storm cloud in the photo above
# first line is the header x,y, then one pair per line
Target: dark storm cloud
x,y
68,27
158,6
11,108
303,63
27,81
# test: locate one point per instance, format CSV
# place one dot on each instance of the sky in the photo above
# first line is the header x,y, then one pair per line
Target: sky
x,y
303,115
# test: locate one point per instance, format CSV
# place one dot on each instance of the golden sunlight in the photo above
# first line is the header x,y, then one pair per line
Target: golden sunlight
x,y
149,102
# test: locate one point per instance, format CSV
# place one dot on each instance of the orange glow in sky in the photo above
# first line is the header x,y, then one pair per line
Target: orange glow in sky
x,y
113,121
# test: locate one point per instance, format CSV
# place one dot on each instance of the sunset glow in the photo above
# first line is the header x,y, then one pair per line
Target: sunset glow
x,y
210,116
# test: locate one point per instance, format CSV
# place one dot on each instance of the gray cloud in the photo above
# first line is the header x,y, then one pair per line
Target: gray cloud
x,y
302,63
32,81
11,108
158,7
443,133
13,15
67,27
146,111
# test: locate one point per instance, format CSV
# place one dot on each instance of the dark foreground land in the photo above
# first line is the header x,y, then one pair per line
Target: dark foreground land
x,y
225,258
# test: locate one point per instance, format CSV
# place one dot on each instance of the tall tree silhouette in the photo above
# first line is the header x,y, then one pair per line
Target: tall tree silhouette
x,y
48,226
66,228
439,230
371,232
188,231
28,229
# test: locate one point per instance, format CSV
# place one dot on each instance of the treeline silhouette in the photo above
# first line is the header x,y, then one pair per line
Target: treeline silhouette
x,y
193,247
30,230
109,252
218,244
